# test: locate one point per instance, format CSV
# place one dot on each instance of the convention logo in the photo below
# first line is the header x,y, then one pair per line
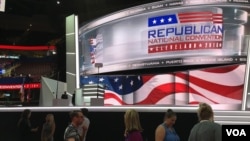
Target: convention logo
x,y
185,31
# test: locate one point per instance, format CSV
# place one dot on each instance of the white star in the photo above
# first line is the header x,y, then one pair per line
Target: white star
x,y
101,79
154,21
139,78
120,87
91,82
162,20
151,49
116,79
169,19
132,83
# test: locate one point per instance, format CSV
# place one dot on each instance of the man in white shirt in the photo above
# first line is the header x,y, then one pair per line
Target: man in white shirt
x,y
83,128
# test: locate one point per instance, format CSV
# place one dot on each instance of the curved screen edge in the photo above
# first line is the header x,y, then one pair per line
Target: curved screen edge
x,y
160,35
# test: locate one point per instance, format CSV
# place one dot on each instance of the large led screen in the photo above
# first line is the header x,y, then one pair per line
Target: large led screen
x,y
166,33
220,86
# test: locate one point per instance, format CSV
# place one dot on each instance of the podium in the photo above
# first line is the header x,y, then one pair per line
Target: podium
x,y
61,102
94,94
97,101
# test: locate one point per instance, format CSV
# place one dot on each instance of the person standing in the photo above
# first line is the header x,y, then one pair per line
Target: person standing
x,y
166,131
24,126
73,99
64,95
133,129
48,130
83,128
206,129
71,132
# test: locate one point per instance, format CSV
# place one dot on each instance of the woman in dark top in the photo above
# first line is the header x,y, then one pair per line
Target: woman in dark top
x,y
24,126
133,127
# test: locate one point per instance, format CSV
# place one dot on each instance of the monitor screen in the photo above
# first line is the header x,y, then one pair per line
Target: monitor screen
x,y
165,34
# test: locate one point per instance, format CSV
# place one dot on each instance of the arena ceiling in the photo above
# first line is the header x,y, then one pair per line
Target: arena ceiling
x,y
41,22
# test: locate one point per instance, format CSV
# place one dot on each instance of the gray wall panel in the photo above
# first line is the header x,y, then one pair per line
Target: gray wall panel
x,y
71,45
71,63
70,22
71,83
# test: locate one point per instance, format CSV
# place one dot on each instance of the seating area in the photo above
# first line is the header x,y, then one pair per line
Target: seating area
x,y
6,63
24,71
35,70
31,71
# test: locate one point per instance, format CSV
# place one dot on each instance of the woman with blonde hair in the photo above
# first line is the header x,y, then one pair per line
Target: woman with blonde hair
x,y
206,129
48,128
133,127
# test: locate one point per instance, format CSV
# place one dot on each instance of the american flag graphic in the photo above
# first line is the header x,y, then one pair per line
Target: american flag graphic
x,y
92,48
223,85
217,86
186,17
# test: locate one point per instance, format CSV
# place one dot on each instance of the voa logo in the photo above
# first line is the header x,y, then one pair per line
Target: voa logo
x,y
236,132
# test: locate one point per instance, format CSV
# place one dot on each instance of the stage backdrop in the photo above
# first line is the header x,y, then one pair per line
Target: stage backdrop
x,y
164,34
169,34
220,86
